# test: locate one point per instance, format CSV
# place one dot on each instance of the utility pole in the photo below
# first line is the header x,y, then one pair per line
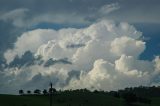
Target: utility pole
x,y
51,92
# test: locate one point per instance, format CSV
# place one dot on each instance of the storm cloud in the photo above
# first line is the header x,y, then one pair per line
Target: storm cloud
x,y
108,59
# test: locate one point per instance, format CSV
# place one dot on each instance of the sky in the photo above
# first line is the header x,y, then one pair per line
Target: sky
x,y
94,44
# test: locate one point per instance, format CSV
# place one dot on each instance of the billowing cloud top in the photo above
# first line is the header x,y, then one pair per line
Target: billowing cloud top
x,y
104,55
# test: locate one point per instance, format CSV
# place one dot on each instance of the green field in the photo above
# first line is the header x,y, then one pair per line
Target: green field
x,y
70,99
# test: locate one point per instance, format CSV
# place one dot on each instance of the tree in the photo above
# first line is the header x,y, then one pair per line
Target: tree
x,y
28,92
37,91
45,92
52,90
144,100
21,92
130,97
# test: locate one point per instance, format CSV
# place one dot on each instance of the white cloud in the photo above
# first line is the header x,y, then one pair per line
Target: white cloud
x,y
23,17
126,64
30,41
15,16
108,59
157,63
127,46
105,76
61,18
108,8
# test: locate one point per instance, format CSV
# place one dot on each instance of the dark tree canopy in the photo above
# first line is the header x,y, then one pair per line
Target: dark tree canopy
x,y
21,92
37,91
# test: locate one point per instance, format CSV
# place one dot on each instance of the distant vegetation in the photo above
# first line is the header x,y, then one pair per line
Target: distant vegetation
x,y
137,96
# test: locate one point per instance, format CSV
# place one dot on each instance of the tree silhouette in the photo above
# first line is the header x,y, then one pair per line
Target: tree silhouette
x,y
21,92
37,91
52,90
45,92
28,92
130,97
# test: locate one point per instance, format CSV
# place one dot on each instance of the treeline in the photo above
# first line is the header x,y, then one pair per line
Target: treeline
x,y
38,92
140,94
140,91
143,91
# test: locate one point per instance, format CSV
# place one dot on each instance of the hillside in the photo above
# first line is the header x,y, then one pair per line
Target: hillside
x,y
70,99
60,100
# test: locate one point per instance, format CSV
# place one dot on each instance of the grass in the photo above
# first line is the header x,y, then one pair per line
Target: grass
x,y
68,99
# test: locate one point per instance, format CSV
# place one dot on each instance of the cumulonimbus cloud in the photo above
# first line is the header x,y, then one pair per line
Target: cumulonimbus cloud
x,y
107,57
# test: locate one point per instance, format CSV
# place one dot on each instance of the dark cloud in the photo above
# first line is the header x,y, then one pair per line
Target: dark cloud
x,y
8,35
27,59
88,10
80,12
38,81
52,4
75,45
53,62
73,74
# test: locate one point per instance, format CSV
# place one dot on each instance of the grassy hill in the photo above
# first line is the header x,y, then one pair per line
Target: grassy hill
x,y
60,100
69,99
